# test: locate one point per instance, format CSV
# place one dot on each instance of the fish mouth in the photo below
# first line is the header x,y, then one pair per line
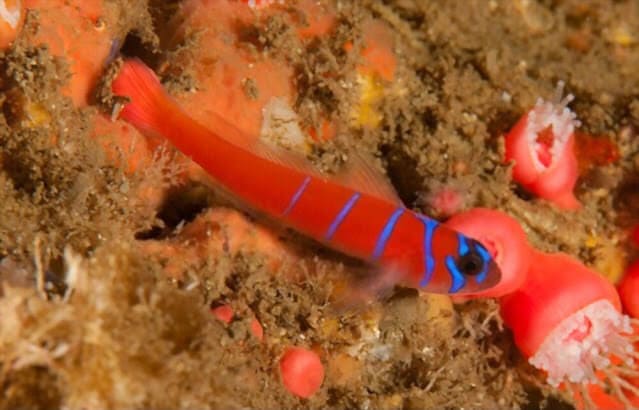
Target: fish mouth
x,y
494,275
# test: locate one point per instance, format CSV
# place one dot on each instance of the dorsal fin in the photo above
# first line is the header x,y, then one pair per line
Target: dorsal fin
x,y
360,173
363,175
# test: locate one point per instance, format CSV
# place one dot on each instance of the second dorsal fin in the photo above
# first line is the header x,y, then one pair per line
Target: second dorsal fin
x,y
360,173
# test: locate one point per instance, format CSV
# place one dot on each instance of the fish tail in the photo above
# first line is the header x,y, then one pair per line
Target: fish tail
x,y
149,105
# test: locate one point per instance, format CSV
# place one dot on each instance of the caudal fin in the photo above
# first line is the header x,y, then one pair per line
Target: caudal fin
x,y
149,104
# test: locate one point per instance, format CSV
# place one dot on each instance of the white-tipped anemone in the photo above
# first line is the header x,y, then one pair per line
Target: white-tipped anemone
x,y
11,15
584,342
554,114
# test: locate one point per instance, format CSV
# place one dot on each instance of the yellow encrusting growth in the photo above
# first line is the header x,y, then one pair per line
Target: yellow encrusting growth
x,y
25,112
365,113
621,35
35,115
610,261
591,241
329,327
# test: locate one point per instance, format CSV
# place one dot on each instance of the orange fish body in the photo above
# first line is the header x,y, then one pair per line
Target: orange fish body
x,y
407,246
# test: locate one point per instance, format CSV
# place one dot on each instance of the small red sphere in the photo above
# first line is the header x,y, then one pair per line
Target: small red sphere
x,y
302,371
446,201
257,329
223,313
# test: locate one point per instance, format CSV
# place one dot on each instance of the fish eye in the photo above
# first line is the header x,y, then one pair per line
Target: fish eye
x,y
470,264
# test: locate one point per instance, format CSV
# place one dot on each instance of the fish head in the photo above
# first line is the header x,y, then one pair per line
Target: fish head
x,y
472,268
456,263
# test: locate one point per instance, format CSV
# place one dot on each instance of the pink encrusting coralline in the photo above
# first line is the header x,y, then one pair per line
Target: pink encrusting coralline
x,y
541,145
567,320
215,233
234,83
127,149
224,71
80,32
124,146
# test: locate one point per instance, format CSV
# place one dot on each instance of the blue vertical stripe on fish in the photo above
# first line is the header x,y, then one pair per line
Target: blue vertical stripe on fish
x,y
387,231
485,257
457,277
429,261
341,215
463,246
298,194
